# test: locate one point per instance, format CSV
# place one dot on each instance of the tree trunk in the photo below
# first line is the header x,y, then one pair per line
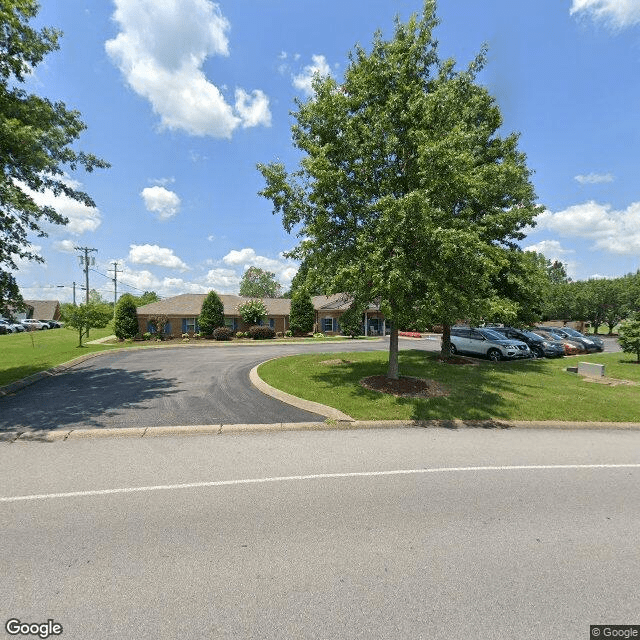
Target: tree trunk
x,y
445,349
392,371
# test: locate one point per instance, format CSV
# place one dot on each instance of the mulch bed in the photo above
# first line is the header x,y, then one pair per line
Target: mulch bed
x,y
405,387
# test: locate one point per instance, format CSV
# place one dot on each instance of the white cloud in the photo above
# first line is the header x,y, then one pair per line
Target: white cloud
x,y
153,254
551,249
614,231
223,280
618,13
284,268
303,80
594,178
65,246
81,217
254,109
161,49
161,201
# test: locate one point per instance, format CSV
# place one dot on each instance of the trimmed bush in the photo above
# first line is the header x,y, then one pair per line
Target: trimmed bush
x,y
211,315
222,333
261,333
239,334
288,333
302,313
126,321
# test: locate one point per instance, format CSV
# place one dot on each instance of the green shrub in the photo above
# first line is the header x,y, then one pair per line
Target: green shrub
x,y
126,320
261,333
318,335
252,311
212,314
302,313
288,333
629,335
222,333
239,334
146,336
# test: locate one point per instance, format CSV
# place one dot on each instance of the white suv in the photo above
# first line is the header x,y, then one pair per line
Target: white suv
x,y
484,342
31,324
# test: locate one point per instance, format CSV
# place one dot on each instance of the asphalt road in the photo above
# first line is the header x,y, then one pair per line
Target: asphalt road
x,y
161,387
167,387
385,534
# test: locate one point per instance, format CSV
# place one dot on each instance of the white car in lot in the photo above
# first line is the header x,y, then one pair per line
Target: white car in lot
x,y
484,342
32,325
11,327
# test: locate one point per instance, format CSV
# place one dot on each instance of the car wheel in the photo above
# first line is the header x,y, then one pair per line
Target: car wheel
x,y
494,355
538,352
452,349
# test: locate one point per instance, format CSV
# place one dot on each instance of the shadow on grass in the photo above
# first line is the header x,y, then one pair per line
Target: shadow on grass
x,y
476,391
81,398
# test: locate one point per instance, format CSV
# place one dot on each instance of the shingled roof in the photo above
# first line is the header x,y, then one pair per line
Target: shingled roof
x,y
44,309
190,305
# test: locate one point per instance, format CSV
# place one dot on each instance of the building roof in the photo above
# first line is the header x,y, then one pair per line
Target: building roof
x,y
44,309
338,302
190,304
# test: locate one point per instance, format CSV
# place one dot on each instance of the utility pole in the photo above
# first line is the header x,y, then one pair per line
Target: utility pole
x,y
84,260
115,286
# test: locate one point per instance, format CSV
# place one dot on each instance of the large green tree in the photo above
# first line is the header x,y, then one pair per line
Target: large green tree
x,y
36,138
258,283
406,191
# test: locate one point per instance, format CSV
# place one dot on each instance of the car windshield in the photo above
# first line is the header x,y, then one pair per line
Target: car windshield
x,y
573,332
530,334
493,335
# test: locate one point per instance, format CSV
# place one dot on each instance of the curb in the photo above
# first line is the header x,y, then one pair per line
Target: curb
x,y
287,398
63,435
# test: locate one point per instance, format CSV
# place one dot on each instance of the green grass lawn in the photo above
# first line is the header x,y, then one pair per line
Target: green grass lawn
x,y
22,354
525,390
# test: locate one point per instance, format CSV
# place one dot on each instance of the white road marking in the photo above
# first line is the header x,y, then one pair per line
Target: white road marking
x,y
315,476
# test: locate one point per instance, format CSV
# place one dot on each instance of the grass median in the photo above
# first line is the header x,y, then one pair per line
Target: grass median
x,y
23,354
524,390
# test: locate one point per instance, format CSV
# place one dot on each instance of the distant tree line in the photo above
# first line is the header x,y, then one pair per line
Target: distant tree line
x,y
600,302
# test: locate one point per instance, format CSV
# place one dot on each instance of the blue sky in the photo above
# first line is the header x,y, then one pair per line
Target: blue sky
x,y
184,97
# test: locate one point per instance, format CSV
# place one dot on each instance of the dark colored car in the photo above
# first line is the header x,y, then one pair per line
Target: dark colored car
x,y
573,333
562,334
540,346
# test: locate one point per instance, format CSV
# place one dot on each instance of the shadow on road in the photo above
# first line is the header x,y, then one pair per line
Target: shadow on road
x,y
82,398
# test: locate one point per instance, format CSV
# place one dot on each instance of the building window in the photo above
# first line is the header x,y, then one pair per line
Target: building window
x,y
231,323
272,323
327,324
190,325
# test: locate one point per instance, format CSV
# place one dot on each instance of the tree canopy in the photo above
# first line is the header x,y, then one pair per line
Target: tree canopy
x,y
125,324
36,138
258,283
84,317
406,191
303,314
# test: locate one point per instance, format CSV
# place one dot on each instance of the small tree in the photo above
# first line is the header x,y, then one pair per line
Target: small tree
x,y
252,311
629,336
212,314
258,283
302,314
126,321
351,321
85,317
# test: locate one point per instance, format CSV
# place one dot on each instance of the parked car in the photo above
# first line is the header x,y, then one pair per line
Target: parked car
x,y
570,348
32,325
584,343
52,324
11,327
486,342
573,333
540,347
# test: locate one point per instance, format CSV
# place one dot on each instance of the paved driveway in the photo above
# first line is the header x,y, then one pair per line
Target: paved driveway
x,y
161,387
